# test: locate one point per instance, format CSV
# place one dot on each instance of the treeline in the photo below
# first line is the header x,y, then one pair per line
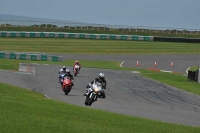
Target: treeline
x,y
101,30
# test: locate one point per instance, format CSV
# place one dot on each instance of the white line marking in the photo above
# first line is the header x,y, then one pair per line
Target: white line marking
x,y
47,96
135,72
121,63
187,70
166,71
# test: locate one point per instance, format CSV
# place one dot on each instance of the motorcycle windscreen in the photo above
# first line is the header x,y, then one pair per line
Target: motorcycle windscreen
x,y
67,80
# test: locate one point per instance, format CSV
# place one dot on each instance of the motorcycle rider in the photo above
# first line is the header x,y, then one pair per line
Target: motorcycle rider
x,y
77,63
70,75
101,79
62,71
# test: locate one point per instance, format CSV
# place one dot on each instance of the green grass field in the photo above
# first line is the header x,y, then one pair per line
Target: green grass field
x,y
27,111
85,46
24,111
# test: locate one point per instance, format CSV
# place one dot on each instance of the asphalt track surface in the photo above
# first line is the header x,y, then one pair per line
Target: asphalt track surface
x,y
127,93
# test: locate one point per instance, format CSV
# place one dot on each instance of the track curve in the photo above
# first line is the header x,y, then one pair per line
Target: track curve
x,y
127,93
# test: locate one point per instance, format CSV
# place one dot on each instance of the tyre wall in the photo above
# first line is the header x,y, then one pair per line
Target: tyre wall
x,y
75,35
30,56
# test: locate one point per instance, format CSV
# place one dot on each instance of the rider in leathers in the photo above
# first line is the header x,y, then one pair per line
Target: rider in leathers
x,y
100,79
70,75
62,71
77,63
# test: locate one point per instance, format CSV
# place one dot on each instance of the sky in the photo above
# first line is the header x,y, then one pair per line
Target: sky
x,y
151,13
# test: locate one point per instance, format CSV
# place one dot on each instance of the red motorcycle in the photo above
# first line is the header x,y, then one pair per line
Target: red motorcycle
x,y
67,85
76,69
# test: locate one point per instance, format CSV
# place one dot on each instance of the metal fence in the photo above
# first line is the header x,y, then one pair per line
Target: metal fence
x,y
101,27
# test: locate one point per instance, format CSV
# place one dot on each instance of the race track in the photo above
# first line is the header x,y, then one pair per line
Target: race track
x,y
126,93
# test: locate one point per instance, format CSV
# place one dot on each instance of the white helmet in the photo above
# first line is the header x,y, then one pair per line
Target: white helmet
x,y
67,71
101,75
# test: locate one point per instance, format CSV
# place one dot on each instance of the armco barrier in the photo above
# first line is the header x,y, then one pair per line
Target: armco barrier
x,y
193,75
74,35
177,39
30,56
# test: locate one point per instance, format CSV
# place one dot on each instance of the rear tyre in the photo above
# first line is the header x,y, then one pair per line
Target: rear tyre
x,y
75,73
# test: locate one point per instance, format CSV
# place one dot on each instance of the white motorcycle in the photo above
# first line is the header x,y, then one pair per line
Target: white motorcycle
x,y
76,69
94,92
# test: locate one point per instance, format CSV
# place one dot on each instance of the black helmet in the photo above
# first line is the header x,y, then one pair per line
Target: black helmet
x,y
64,68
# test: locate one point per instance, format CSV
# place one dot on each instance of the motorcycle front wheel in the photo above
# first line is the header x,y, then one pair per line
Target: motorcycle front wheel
x,y
91,100
86,100
67,90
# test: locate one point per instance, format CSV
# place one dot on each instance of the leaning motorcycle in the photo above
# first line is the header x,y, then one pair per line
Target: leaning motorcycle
x,y
76,69
67,85
95,91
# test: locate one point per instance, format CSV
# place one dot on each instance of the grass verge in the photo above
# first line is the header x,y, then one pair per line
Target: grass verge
x,y
27,111
82,46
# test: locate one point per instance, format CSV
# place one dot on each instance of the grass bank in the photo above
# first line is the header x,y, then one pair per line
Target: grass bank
x,y
82,46
27,111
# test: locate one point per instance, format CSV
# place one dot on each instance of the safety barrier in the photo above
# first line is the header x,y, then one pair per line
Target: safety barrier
x,y
177,39
30,56
75,35
194,75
